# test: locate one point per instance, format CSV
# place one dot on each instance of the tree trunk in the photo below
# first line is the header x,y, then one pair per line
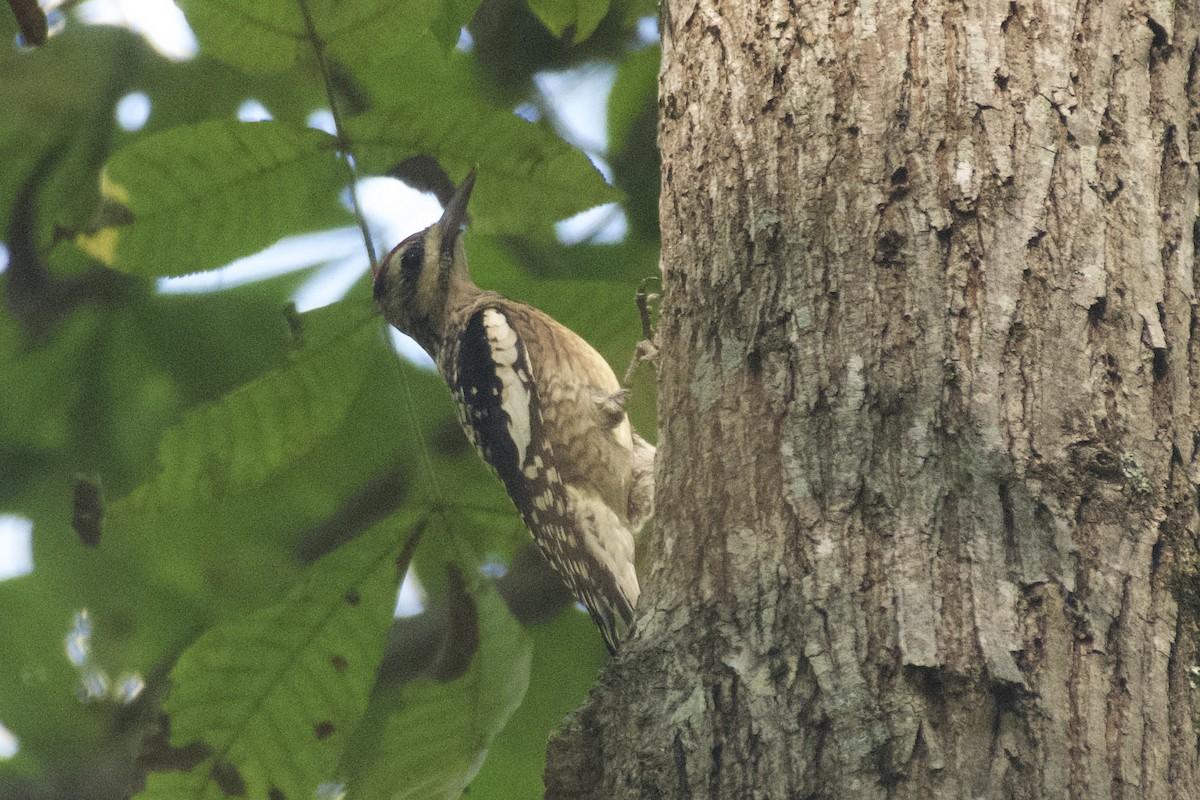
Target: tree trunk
x,y
927,497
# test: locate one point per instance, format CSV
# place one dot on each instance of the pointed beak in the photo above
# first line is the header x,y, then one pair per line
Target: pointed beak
x,y
455,213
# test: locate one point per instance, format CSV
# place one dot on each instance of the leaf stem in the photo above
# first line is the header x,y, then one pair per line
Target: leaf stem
x,y
343,141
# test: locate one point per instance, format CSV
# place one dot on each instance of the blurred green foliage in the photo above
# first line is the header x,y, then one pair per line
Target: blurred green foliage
x,y
265,475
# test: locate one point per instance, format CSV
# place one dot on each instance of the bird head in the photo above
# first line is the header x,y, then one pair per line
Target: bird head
x,y
415,282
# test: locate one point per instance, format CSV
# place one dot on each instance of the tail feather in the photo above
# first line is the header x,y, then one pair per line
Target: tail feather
x,y
596,561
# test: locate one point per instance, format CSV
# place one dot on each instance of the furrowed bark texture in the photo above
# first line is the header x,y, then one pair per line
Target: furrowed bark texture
x,y
928,458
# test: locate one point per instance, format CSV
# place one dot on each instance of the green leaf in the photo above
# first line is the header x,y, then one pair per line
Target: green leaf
x,y
61,110
255,431
468,535
91,399
271,35
567,656
205,87
427,739
528,177
199,196
558,15
37,391
455,15
633,127
633,94
370,30
271,698
262,36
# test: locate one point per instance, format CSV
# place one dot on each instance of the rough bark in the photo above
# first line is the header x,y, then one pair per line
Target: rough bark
x,y
928,392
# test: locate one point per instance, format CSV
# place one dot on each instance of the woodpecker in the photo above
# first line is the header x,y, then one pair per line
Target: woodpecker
x,y
542,408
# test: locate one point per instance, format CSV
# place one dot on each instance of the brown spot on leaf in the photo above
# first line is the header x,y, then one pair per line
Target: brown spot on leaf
x,y
87,512
353,597
323,730
339,663
228,779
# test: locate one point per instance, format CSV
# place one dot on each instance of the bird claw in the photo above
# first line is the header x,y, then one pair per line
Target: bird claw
x,y
645,350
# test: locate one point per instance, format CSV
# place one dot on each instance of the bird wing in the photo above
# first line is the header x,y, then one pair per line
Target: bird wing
x,y
500,410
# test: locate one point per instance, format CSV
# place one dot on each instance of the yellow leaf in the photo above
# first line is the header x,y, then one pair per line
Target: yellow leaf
x,y
113,190
101,245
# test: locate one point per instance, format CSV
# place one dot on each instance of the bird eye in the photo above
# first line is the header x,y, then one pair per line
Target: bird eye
x,y
411,253
412,258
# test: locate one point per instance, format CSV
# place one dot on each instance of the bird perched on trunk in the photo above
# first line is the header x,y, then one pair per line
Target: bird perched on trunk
x,y
541,406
